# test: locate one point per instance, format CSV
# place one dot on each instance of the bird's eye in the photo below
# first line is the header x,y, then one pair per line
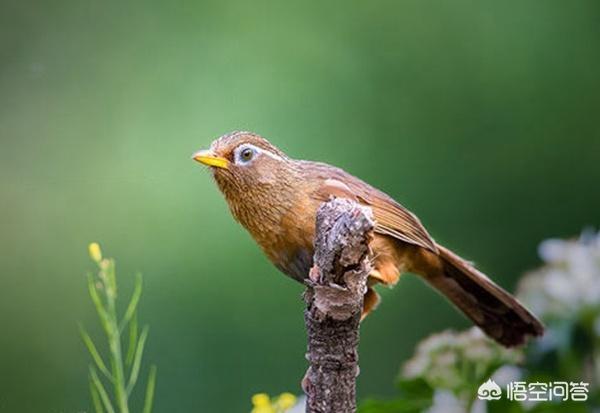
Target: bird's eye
x,y
246,155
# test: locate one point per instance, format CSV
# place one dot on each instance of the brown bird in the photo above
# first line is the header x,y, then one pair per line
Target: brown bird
x,y
276,199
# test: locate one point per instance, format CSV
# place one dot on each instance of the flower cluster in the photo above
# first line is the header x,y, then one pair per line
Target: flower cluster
x,y
264,404
454,361
568,282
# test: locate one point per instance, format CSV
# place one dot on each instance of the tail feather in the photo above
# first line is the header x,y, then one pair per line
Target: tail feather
x,y
500,315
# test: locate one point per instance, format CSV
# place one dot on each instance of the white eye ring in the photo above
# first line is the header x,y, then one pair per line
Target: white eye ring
x,y
245,154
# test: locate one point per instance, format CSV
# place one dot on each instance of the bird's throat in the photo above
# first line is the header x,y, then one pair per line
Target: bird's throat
x,y
260,206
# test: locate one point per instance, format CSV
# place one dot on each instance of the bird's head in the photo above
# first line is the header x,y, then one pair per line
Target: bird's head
x,y
247,168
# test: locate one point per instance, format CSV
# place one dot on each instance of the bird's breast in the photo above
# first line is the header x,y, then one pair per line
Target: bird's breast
x,y
289,244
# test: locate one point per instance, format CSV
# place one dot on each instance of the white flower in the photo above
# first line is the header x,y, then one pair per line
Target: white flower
x,y
569,281
446,402
442,359
507,374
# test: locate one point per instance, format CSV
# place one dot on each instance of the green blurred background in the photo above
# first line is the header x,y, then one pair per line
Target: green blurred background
x,y
482,117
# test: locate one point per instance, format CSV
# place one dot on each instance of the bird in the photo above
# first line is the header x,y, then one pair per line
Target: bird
x,y
276,198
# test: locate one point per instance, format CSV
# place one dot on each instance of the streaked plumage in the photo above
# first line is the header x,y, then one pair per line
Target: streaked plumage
x,y
276,198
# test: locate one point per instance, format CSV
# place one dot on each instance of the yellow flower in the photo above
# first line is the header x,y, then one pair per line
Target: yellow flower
x,y
95,252
264,409
262,403
286,401
261,400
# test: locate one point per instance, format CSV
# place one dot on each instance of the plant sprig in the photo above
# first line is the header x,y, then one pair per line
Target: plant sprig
x,y
123,374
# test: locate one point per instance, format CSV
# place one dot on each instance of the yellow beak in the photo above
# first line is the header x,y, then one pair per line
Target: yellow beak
x,y
207,157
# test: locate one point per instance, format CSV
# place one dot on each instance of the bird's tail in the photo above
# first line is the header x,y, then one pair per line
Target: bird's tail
x,y
500,315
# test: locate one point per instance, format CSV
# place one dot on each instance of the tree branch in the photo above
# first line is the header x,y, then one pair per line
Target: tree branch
x,y
334,299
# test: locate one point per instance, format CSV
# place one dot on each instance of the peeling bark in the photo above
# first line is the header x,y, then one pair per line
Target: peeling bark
x,y
334,299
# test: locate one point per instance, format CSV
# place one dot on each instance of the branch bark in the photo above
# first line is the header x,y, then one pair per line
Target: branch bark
x,y
334,299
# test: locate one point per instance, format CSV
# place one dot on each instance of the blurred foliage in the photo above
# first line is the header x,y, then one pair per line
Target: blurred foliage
x,y
125,366
445,373
480,116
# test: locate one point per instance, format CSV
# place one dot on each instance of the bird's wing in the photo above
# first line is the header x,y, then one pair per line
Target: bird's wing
x,y
395,220
391,218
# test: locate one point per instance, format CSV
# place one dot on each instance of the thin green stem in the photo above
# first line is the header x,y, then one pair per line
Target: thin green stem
x,y
114,341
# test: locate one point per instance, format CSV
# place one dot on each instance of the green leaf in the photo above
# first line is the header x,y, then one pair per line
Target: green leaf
x,y
137,361
415,389
96,398
504,406
94,353
133,336
101,391
135,299
100,309
149,399
394,406
416,396
559,407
